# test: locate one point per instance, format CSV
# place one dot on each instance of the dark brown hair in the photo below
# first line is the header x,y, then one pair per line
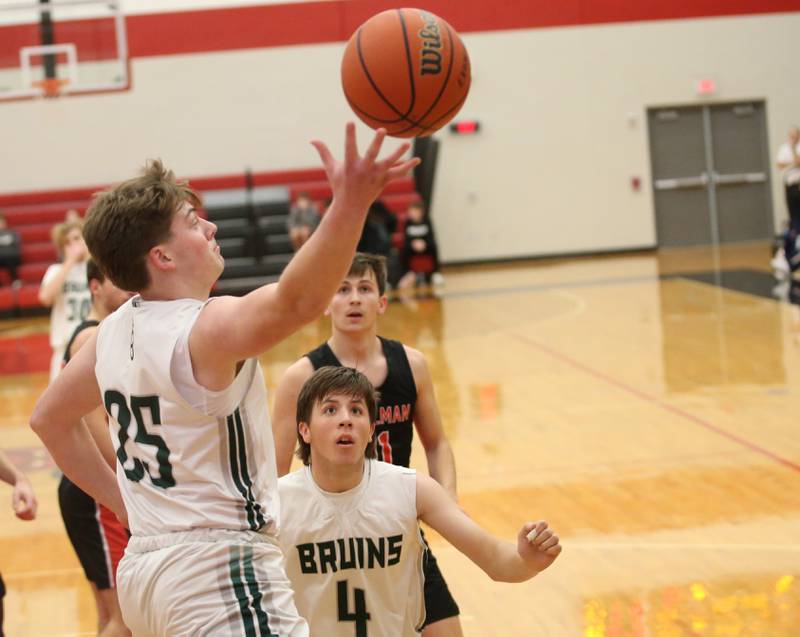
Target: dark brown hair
x,y
93,272
375,263
333,380
125,222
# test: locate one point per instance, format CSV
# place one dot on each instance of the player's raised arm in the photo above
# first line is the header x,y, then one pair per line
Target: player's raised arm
x,y
240,328
57,421
502,561
284,413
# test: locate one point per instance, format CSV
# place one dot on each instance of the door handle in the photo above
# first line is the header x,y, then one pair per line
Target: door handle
x,y
740,178
681,182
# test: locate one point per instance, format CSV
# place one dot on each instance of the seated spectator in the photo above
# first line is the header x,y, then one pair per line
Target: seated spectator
x,y
303,220
419,240
10,248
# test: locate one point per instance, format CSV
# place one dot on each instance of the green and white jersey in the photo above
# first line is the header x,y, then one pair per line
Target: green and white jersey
x,y
354,559
187,457
71,306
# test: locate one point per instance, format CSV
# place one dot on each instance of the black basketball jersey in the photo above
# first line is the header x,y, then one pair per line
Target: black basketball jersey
x,y
78,330
394,428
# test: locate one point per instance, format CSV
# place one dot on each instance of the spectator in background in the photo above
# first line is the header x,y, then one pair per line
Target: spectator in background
x,y
65,290
23,501
419,240
789,164
376,238
10,248
303,220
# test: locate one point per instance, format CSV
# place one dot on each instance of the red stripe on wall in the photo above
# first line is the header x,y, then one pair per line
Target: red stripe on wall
x,y
334,21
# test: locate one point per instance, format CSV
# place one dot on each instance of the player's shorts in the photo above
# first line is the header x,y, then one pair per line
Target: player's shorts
x,y
207,582
439,603
96,534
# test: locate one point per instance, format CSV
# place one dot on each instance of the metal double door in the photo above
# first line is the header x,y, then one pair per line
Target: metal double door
x,y
710,170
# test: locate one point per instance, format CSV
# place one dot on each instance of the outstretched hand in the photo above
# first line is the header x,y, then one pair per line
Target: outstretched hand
x,y
24,501
543,550
357,181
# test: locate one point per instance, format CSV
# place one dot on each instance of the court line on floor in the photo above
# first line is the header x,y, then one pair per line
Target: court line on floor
x,y
660,403
46,573
545,287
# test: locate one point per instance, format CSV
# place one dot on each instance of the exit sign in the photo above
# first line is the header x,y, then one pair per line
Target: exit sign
x,y
705,87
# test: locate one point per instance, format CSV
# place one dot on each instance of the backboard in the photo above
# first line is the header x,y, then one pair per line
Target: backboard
x,y
52,48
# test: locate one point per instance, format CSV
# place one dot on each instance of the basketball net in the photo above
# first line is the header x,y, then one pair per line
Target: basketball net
x,y
51,87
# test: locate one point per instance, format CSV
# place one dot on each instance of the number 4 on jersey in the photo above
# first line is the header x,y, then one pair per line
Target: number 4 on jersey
x,y
359,616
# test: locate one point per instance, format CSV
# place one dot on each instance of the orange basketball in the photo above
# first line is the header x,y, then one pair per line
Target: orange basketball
x,y
406,70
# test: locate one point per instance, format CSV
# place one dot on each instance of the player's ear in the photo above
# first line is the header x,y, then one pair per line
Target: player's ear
x,y
160,258
372,431
305,432
383,303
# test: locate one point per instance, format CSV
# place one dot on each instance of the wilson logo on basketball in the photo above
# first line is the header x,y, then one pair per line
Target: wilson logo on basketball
x,y
431,57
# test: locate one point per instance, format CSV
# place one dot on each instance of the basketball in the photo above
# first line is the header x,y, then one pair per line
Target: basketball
x,y
406,70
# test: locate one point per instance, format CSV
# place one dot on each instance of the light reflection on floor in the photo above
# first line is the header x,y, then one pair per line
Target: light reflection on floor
x,y
760,606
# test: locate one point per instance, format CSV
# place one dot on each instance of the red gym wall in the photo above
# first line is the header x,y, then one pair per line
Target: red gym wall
x,y
561,89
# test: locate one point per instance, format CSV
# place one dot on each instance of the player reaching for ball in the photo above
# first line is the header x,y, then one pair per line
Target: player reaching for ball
x,y
187,403
349,530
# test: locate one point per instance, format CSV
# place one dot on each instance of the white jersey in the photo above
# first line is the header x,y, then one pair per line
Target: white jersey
x,y
355,559
71,306
188,457
791,174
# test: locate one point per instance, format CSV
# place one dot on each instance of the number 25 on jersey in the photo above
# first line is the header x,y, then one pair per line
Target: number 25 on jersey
x,y
117,406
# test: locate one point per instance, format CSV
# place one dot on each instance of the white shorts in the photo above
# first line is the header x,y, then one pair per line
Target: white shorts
x,y
207,582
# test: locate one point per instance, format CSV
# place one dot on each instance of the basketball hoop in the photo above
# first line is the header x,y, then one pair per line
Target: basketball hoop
x,y
51,87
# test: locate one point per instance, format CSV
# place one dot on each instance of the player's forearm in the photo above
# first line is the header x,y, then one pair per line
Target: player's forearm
x,y
442,467
77,455
8,472
310,280
504,564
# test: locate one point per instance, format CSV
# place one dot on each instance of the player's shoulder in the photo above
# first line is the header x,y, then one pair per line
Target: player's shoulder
x,y
298,372
416,360
292,482
82,337
51,270
391,471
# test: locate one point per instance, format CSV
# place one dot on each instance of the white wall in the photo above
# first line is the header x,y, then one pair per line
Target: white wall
x,y
548,173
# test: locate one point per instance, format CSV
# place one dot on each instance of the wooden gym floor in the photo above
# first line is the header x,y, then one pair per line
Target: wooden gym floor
x,y
644,404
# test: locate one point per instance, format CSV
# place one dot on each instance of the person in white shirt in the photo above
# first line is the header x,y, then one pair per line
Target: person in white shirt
x,y
348,527
179,378
787,257
65,290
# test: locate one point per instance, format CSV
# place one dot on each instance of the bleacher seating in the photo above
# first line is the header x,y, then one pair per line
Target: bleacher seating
x,y
251,226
